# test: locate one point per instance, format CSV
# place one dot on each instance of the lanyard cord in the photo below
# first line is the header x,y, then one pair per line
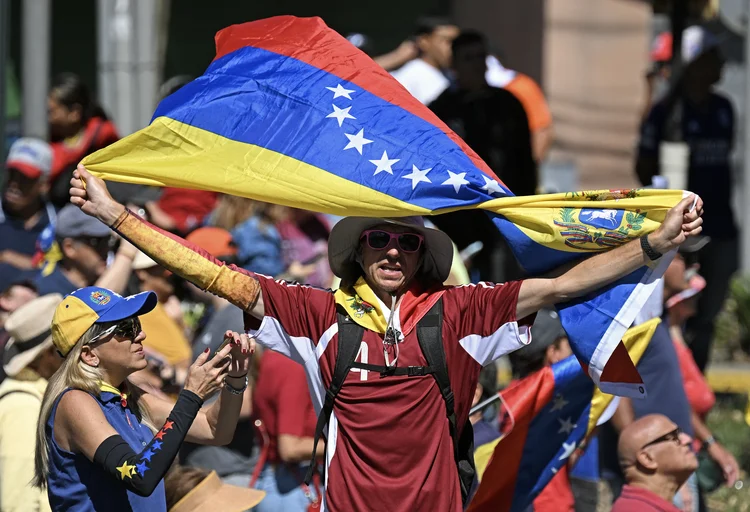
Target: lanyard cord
x,y
390,336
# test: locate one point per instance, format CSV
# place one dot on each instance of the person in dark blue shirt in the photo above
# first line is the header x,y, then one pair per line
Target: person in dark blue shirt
x,y
96,448
707,126
24,211
84,246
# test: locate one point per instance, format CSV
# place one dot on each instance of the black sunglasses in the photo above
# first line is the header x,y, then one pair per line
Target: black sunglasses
x,y
673,436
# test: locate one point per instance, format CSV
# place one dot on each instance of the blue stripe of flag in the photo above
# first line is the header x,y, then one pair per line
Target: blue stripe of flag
x,y
280,103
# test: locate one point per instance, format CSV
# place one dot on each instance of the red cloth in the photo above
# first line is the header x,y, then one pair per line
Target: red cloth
x,y
66,154
281,400
187,207
699,393
557,496
637,499
389,436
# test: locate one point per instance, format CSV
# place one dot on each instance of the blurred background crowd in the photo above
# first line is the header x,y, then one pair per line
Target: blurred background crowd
x,y
554,95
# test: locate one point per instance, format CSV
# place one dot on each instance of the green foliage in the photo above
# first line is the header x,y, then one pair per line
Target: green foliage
x,y
732,326
727,422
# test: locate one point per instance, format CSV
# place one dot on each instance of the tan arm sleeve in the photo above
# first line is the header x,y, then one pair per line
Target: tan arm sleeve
x,y
234,284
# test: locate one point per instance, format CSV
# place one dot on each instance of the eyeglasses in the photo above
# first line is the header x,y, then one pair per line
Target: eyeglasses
x,y
378,239
128,329
673,436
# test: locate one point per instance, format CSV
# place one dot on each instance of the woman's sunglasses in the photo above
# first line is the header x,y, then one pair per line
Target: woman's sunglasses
x,y
129,329
378,239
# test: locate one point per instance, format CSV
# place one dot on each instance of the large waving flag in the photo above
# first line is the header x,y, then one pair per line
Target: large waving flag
x,y
555,410
290,113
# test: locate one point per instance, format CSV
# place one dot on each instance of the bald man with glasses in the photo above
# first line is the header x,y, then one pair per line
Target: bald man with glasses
x,y
656,458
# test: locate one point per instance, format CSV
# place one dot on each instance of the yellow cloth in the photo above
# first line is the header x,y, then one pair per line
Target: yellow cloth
x,y
19,413
164,336
362,306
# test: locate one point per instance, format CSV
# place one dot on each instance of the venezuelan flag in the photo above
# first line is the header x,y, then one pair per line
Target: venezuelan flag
x,y
290,113
555,410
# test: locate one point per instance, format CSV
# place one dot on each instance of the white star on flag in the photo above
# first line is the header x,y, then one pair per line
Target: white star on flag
x,y
339,91
568,450
340,114
566,425
492,186
357,140
456,179
416,176
559,403
384,164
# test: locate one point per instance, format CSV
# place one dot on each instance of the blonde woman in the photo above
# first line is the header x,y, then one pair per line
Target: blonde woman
x,y
96,446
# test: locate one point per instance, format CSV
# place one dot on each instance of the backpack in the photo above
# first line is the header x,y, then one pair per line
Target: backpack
x,y
429,334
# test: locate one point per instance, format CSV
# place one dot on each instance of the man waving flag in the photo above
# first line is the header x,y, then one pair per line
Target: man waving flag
x,y
289,112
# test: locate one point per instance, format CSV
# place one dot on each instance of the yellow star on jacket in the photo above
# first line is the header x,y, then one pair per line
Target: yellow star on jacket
x,y
126,470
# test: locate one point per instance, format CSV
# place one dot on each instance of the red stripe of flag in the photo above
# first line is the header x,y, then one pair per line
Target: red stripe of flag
x,y
525,399
311,41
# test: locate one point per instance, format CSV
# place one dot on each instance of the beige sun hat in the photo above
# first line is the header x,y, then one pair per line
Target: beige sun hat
x,y
344,241
212,494
30,334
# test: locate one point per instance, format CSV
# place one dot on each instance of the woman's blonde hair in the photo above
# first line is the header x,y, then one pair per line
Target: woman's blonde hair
x,y
75,374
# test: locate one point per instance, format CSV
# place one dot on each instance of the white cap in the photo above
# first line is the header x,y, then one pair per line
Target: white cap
x,y
33,157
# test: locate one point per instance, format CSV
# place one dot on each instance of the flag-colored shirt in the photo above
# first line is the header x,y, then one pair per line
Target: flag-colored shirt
x,y
388,443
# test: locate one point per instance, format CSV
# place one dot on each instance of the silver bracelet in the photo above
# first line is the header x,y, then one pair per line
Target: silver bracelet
x,y
234,390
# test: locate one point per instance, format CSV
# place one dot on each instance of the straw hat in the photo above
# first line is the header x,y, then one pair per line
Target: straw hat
x,y
30,333
344,241
212,494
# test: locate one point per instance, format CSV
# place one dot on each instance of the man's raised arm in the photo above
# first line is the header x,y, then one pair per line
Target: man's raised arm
x,y
172,252
681,222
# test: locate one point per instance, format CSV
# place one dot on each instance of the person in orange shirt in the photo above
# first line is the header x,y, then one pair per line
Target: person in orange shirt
x,y
531,97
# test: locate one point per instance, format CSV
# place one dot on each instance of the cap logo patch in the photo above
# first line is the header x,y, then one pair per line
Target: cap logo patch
x,y
100,298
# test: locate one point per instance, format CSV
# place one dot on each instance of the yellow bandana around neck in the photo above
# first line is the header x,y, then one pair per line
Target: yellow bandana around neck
x,y
109,388
362,306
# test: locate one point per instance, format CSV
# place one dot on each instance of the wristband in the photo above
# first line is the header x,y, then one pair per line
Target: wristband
x,y
652,253
709,441
233,390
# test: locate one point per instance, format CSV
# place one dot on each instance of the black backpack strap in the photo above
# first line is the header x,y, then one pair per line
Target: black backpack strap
x,y
430,336
350,337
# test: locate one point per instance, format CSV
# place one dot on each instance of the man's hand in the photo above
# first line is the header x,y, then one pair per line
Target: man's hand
x,y
726,461
681,222
90,194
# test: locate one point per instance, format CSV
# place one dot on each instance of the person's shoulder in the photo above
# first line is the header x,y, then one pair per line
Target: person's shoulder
x,y
720,98
446,98
636,499
414,66
15,394
522,82
504,94
75,405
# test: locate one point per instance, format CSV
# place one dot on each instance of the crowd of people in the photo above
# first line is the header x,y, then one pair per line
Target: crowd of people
x,y
128,382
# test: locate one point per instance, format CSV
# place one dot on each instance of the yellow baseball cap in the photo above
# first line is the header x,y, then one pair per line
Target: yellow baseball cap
x,y
91,305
